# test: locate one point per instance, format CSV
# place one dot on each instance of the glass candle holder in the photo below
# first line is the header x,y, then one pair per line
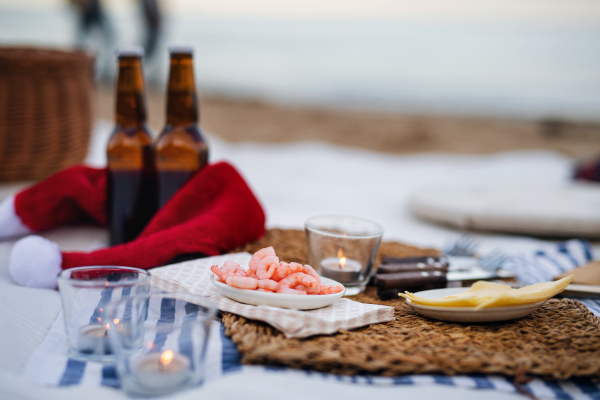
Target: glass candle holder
x,y
160,341
85,292
343,248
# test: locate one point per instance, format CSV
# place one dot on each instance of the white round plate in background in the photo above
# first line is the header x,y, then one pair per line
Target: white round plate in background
x,y
568,211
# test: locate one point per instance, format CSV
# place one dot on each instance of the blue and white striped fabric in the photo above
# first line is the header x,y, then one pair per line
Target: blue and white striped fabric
x,y
51,365
544,264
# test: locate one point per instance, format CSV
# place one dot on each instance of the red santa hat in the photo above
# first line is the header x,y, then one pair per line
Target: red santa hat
x,y
213,212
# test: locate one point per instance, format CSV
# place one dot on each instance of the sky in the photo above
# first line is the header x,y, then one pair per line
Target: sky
x,y
568,11
525,58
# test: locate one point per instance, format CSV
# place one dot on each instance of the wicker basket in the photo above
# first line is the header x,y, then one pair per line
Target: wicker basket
x,y
46,101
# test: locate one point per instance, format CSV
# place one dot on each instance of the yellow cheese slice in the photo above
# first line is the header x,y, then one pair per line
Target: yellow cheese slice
x,y
488,294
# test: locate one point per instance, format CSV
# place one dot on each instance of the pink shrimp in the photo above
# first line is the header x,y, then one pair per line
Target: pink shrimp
x,y
296,267
309,289
242,282
284,269
268,284
287,290
324,289
219,272
266,267
256,257
298,278
281,271
228,269
307,269
232,268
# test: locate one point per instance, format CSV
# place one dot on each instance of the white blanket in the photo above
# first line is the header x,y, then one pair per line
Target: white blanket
x,y
293,182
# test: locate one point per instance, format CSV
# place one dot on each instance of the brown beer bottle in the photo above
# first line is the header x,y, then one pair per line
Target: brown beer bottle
x,y
131,193
180,150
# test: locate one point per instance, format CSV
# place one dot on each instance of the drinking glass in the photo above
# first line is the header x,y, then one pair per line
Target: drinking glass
x,y
85,292
343,248
160,341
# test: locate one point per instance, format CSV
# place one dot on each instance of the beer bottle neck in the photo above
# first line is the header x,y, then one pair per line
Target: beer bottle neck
x,y
131,104
182,102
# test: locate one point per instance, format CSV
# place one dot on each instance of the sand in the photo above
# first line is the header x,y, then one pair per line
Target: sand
x,y
238,120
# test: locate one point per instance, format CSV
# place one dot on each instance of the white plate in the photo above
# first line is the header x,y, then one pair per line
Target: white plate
x,y
469,314
293,301
566,210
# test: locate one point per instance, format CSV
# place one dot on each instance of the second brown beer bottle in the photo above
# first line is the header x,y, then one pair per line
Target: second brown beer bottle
x,y
180,150
131,193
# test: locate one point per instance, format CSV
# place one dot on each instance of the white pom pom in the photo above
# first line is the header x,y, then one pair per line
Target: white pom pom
x,y
10,223
35,262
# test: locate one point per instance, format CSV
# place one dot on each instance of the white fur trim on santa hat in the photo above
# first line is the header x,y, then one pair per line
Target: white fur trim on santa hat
x,y
35,262
10,223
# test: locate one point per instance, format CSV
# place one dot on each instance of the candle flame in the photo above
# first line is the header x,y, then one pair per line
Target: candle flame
x,y
166,357
342,259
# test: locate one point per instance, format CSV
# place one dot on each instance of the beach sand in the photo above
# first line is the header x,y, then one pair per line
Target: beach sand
x,y
237,120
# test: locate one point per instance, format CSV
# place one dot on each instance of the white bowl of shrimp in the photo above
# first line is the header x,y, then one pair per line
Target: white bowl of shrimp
x,y
292,301
268,282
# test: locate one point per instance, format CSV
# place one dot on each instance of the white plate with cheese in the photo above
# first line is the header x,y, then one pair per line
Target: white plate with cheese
x,y
469,314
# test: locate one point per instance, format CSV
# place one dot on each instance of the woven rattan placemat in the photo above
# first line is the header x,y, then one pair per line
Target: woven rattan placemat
x,y
560,340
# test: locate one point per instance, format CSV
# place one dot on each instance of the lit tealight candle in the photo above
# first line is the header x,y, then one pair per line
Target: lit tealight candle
x,y
93,339
164,372
341,269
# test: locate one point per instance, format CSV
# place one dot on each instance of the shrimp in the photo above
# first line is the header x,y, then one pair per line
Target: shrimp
x,y
266,274
266,267
281,271
228,269
324,289
242,282
268,284
256,257
284,269
232,268
309,289
308,270
219,272
298,278
296,267
287,290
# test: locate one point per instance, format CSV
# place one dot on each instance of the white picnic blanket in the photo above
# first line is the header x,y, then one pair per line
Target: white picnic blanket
x,y
51,365
309,178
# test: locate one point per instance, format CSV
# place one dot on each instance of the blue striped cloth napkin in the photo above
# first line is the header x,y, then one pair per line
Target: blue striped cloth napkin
x,y
51,365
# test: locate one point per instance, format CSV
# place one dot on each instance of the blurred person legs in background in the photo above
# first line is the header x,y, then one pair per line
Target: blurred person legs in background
x,y
93,19
152,21
153,25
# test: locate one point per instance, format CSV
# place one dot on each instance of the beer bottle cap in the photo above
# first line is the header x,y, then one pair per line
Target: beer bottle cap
x,y
130,51
181,50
